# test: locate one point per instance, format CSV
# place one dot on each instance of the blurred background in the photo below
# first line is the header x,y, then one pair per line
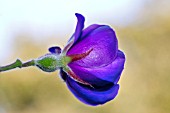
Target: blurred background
x,y
28,28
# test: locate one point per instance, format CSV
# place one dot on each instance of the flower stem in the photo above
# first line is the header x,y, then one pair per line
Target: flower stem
x,y
16,64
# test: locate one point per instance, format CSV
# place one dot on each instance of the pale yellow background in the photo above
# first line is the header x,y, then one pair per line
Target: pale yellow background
x,y
144,84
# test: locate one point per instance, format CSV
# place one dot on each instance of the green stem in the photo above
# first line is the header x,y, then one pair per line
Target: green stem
x,y
16,64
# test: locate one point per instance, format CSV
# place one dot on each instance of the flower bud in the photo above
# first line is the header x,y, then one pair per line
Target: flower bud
x,y
52,62
48,62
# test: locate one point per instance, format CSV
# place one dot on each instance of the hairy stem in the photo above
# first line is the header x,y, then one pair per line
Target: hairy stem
x,y
16,64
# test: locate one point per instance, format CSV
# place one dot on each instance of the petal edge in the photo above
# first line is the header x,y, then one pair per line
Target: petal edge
x,y
92,96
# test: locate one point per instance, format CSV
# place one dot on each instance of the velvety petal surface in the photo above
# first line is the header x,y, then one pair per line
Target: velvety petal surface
x,y
103,41
102,75
88,30
91,95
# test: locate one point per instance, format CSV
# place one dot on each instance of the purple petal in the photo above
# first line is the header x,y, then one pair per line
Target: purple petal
x,y
103,75
90,95
103,41
89,30
79,27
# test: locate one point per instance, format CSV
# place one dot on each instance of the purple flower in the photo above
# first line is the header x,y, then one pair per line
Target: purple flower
x,y
96,64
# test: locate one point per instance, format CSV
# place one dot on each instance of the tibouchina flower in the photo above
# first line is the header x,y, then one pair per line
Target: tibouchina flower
x,y
90,64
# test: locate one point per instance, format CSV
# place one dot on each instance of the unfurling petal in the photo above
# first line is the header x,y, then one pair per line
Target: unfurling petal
x,y
102,75
77,33
79,27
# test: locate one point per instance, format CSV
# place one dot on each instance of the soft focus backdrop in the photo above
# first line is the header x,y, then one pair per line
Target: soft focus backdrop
x,y
28,28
